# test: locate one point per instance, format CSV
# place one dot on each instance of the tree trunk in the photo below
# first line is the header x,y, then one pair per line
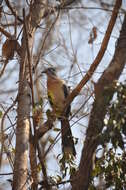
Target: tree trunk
x,y
24,100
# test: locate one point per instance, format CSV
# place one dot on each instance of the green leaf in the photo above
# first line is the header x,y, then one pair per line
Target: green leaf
x,y
56,129
1,114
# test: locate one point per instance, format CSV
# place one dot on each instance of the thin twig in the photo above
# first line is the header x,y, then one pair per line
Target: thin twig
x,y
3,69
55,184
3,174
44,40
15,26
2,127
12,10
47,186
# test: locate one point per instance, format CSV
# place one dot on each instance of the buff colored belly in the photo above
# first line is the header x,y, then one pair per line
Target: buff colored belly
x,y
55,90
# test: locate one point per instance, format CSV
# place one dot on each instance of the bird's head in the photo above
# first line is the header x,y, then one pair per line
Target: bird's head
x,y
50,72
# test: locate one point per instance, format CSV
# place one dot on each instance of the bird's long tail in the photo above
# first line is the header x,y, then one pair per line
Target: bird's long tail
x,y
67,139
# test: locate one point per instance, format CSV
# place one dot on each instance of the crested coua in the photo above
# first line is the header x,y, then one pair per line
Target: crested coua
x,y
57,93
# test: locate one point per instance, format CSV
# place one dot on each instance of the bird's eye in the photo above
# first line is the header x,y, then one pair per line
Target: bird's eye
x,y
52,69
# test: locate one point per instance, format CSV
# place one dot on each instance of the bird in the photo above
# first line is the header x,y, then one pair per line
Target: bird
x,y
57,92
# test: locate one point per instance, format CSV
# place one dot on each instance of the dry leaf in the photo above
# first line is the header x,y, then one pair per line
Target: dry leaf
x,y
37,115
8,49
93,35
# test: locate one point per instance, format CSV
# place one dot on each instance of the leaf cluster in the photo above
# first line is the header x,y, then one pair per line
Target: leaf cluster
x,y
110,165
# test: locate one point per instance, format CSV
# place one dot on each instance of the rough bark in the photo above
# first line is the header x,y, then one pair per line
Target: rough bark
x,y
103,96
24,100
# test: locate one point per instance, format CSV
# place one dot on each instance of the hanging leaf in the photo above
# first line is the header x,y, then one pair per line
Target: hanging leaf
x,y
93,35
8,49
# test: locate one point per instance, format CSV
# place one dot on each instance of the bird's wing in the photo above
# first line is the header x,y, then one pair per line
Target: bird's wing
x,y
66,90
66,93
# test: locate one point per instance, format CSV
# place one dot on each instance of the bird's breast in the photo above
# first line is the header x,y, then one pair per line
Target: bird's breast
x,y
55,90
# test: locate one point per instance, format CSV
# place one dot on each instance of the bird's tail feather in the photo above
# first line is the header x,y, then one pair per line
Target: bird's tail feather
x,y
67,139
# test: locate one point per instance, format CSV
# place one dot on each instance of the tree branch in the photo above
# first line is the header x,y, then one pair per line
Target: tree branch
x,y
7,34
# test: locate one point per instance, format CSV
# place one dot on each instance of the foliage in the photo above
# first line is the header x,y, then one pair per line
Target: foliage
x,y
67,165
110,168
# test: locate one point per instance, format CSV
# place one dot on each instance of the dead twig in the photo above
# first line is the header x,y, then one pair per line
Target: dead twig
x,y
44,40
